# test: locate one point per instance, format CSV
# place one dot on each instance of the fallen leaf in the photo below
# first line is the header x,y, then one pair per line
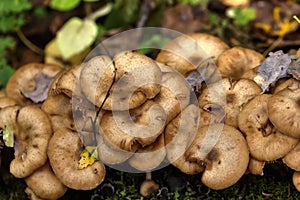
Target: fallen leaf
x,y
8,137
88,156
75,36
42,85
64,5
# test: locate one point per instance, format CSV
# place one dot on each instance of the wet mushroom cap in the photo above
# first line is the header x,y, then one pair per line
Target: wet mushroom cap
x,y
284,111
228,159
136,79
186,52
179,134
23,80
292,159
32,130
265,142
234,62
63,152
45,184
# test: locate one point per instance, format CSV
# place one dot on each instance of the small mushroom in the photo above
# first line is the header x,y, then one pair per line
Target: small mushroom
x,y
292,159
63,152
234,62
32,130
148,187
22,81
186,52
284,111
134,129
179,134
290,83
135,79
227,161
45,184
256,167
266,143
228,96
296,180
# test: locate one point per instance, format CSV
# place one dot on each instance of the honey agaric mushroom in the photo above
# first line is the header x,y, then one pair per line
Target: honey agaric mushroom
x,y
137,79
186,52
256,167
179,134
63,152
139,128
292,159
22,81
265,142
284,111
296,180
148,187
45,184
2,94
6,101
32,130
228,160
234,62
236,93
290,83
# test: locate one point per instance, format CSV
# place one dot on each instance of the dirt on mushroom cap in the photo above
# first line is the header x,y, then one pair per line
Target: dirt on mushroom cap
x,y
63,152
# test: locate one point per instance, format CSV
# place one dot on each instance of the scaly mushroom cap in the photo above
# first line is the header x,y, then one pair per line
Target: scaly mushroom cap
x,y
179,134
234,62
296,180
292,159
149,157
265,142
237,94
45,184
22,80
256,167
63,152
137,79
228,160
134,129
32,130
284,111
186,52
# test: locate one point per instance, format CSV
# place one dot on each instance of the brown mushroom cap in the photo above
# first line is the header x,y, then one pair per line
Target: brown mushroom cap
x,y
265,142
227,161
32,130
186,52
137,79
31,194
290,84
256,167
134,129
2,93
234,62
7,101
292,159
63,152
149,157
236,93
296,180
284,111
179,134
45,184
22,80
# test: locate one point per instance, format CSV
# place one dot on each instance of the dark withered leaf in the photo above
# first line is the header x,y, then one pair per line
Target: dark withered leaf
x,y
273,68
43,82
294,68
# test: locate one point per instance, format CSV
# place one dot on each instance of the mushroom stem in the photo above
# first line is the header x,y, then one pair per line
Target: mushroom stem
x,y
148,187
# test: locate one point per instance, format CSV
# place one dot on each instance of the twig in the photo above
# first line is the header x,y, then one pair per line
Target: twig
x,y
100,12
28,43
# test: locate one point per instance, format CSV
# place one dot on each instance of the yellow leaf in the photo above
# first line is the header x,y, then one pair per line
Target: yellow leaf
x,y
88,156
8,137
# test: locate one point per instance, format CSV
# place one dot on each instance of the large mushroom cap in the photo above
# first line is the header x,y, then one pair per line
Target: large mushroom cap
x,y
234,62
265,142
63,152
134,129
230,96
179,134
22,80
284,111
292,159
45,184
137,78
32,130
186,52
228,160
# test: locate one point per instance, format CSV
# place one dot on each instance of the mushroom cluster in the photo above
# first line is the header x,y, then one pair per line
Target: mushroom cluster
x,y
197,106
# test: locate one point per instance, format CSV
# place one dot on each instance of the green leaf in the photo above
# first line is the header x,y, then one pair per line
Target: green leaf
x,y
13,6
90,0
5,72
75,36
241,16
8,137
64,5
